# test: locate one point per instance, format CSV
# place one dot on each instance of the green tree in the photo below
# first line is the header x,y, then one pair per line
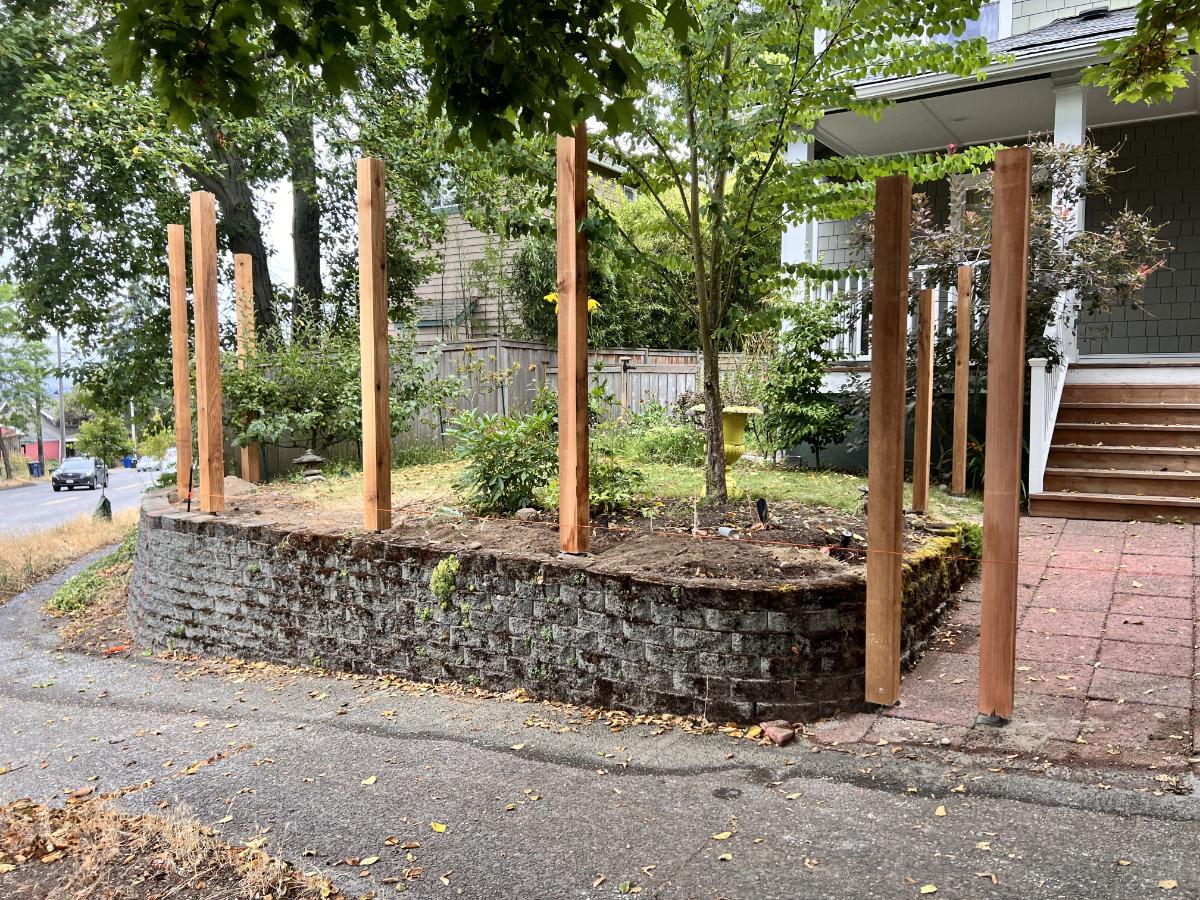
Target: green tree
x,y
709,140
104,436
796,410
1154,61
24,365
91,173
490,66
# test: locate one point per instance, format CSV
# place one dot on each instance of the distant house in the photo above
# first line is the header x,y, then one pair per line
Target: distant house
x,y
50,437
463,299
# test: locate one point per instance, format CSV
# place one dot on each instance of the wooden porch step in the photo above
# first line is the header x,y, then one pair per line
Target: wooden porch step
x,y
1085,434
1142,459
1123,482
1131,393
1114,507
1130,413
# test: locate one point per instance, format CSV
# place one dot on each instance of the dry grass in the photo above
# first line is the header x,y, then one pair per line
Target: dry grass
x,y
29,557
423,486
92,850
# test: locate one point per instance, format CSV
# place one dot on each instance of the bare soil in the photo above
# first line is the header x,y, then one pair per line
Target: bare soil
x,y
676,539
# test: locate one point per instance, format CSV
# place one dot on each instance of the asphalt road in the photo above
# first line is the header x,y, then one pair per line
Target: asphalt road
x,y
539,802
36,508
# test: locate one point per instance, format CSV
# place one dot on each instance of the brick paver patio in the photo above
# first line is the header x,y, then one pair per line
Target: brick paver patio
x,y
1107,655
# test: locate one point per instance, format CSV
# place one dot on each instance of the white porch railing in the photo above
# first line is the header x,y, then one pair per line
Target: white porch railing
x,y
1046,384
852,343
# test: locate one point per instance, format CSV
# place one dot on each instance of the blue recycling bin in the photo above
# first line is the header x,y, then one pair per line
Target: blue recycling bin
x,y
35,469
127,462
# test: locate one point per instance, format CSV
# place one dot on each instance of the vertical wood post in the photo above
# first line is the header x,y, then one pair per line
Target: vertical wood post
x,y
247,346
962,377
923,425
572,343
180,358
208,353
885,462
373,347
1005,408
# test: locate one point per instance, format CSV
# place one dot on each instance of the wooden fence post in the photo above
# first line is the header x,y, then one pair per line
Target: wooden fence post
x,y
923,425
208,353
373,347
962,378
247,346
1005,409
572,343
180,358
885,463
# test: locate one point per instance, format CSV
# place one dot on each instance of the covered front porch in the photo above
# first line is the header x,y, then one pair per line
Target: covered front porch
x,y
1130,375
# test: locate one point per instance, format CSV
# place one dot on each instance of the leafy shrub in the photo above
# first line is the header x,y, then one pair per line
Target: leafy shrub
x,y
611,485
655,435
796,410
509,459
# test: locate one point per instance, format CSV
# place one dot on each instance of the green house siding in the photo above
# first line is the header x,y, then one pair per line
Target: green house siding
x,y
1156,173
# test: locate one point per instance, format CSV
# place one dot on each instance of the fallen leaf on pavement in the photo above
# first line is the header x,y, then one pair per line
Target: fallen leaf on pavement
x,y
438,827
369,780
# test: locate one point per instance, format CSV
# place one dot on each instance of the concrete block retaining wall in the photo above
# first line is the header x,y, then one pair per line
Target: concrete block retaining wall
x,y
563,629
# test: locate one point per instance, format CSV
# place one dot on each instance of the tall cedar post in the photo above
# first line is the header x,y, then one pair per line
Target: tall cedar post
x,y
923,426
247,345
572,343
373,347
962,378
208,353
1005,408
180,353
885,460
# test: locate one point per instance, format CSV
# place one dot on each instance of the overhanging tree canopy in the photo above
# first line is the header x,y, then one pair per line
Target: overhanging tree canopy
x,y
491,66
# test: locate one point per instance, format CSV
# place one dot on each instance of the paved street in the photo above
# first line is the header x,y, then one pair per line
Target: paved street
x,y
539,801
38,507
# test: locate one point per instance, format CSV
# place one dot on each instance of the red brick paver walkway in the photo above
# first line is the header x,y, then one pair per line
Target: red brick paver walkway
x,y
1108,662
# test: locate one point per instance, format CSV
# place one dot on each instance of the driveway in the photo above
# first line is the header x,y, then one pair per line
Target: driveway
x,y
544,800
38,507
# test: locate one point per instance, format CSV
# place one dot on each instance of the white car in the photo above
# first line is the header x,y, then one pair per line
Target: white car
x,y
148,464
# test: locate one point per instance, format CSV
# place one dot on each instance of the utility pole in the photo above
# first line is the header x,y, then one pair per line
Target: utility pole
x,y
132,425
62,402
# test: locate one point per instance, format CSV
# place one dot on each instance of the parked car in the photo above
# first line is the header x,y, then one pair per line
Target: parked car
x,y
148,464
80,471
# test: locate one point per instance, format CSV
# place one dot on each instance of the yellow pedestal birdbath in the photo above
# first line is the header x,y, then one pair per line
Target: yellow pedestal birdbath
x,y
733,429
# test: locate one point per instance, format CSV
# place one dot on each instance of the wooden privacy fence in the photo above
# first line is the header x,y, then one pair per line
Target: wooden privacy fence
x,y
502,375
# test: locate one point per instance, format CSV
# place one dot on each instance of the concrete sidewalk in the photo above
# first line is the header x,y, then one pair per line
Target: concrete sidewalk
x,y
1107,656
544,800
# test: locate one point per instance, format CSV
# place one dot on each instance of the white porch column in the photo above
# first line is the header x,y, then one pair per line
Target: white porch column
x,y
1070,129
1070,122
800,239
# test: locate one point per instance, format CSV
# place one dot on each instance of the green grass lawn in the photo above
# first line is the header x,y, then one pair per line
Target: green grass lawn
x,y
821,488
431,484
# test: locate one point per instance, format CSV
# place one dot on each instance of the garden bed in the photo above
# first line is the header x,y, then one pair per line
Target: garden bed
x,y
656,619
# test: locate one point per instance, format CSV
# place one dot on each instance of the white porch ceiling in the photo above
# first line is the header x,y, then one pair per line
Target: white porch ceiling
x,y
981,114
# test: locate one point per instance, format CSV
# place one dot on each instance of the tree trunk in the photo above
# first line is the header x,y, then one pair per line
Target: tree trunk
x,y
714,435
306,220
8,469
239,220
